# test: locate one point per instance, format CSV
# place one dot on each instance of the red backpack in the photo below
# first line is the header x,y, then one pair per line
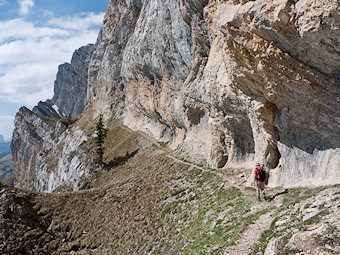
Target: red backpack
x,y
261,173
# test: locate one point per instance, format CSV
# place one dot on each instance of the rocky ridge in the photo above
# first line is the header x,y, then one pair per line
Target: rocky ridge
x,y
46,153
70,87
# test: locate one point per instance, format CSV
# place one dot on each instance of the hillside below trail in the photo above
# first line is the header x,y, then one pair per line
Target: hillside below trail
x,y
148,200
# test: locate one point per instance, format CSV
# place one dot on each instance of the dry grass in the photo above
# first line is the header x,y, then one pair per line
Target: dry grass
x,y
141,202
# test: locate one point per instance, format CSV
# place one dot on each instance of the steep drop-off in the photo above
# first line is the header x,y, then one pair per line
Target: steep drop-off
x,y
226,83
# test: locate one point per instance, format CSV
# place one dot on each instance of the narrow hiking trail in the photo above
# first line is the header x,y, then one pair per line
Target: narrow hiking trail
x,y
254,231
248,239
185,163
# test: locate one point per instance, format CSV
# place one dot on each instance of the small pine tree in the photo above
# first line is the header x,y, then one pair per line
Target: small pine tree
x,y
99,139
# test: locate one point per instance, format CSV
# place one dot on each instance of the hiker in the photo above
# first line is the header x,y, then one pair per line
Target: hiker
x,y
259,181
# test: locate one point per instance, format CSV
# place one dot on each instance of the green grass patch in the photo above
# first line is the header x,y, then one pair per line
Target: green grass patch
x,y
163,144
291,251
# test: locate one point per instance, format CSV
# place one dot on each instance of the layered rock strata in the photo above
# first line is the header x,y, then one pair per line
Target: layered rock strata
x,y
234,82
70,87
230,83
46,151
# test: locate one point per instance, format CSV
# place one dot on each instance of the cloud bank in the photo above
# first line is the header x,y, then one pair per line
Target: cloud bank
x,y
30,53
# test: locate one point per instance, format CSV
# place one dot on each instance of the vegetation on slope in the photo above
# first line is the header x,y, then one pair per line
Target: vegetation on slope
x,y
145,201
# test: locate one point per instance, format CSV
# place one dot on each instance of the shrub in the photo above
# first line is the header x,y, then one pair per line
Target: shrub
x,y
100,137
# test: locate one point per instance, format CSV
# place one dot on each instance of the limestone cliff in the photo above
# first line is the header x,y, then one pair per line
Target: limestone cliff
x,y
228,83
233,82
46,147
70,87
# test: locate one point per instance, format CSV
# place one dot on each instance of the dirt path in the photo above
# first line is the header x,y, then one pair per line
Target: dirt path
x,y
195,166
248,239
185,163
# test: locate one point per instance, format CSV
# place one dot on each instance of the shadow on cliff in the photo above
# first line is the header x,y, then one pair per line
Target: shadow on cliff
x,y
120,160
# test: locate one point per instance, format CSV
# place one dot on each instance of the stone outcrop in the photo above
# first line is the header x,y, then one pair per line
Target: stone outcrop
x,y
228,83
48,153
70,87
46,110
45,150
31,134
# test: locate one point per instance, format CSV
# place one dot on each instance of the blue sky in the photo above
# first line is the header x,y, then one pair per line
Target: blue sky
x,y
35,37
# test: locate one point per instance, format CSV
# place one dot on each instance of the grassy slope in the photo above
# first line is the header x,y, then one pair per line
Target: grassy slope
x,y
145,202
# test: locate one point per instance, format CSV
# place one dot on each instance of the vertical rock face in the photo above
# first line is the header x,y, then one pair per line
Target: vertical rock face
x,y
105,88
39,140
27,141
63,161
47,154
141,70
227,82
232,82
70,87
293,101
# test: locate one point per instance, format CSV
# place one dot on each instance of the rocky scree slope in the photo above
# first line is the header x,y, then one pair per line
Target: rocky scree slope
x,y
227,83
156,203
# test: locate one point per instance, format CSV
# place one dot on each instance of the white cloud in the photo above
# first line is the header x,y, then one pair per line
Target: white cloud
x,y
21,29
3,2
81,21
25,6
30,54
47,13
28,83
6,126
